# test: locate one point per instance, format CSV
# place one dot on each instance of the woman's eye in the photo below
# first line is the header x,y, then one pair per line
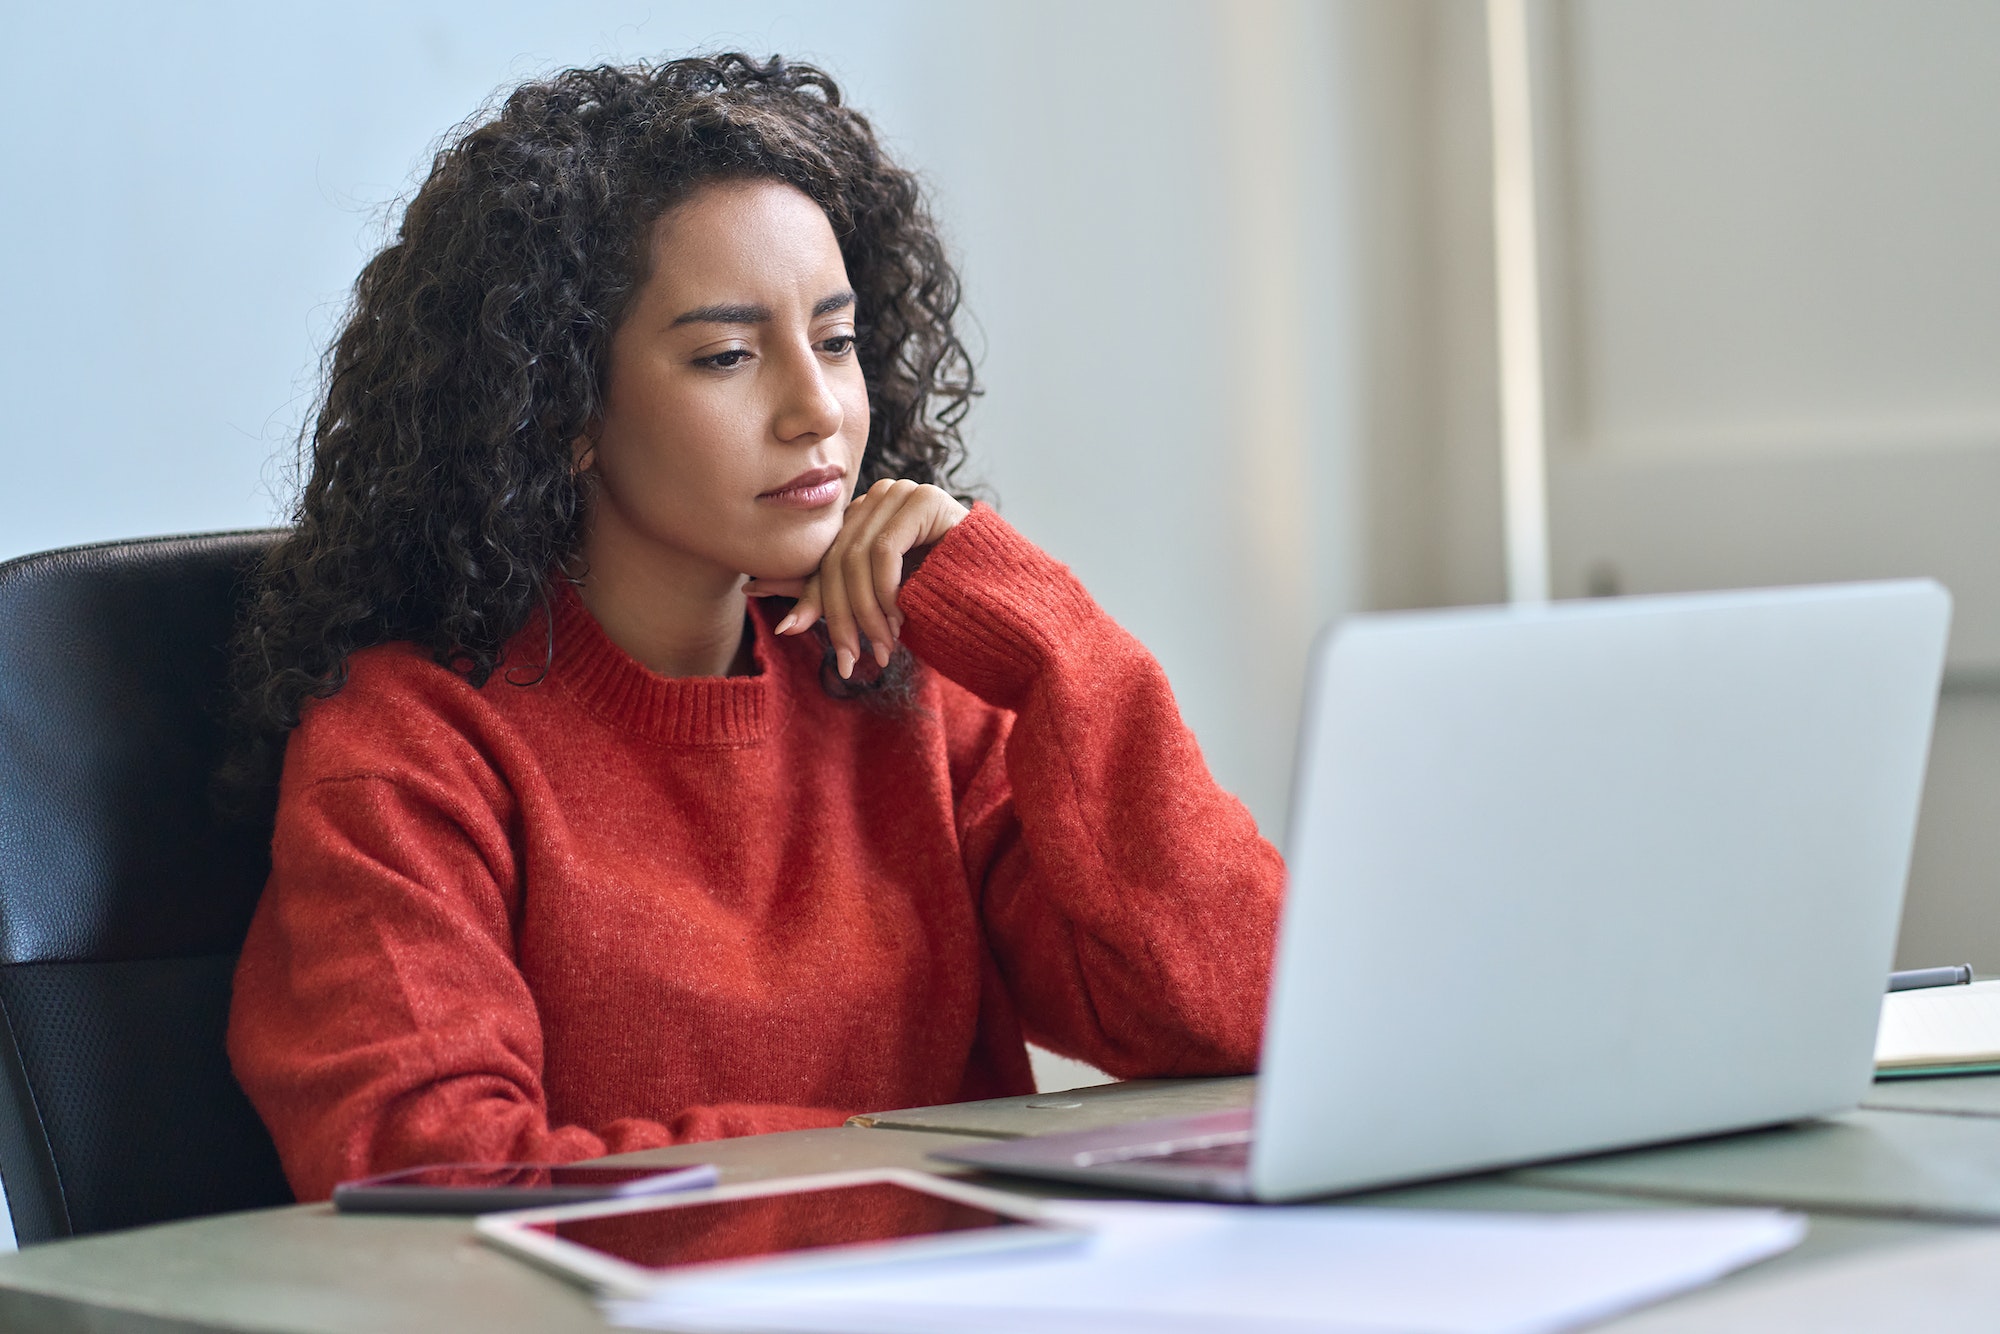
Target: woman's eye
x,y
722,361
837,346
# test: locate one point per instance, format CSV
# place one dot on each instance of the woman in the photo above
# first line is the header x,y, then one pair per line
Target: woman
x,y
582,846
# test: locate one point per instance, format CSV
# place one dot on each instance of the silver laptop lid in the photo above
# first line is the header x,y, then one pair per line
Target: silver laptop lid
x,y
1591,875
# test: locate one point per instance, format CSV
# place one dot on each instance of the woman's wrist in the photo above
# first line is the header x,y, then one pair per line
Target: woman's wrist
x,y
990,610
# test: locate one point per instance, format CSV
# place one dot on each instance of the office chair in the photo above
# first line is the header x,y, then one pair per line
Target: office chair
x,y
123,898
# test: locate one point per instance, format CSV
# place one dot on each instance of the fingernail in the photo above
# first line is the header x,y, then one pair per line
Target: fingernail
x,y
845,661
896,628
791,619
881,655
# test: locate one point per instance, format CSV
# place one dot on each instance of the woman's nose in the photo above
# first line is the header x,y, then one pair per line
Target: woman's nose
x,y
808,409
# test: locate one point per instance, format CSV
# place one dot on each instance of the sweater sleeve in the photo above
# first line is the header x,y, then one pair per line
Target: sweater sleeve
x,y
1130,901
379,1020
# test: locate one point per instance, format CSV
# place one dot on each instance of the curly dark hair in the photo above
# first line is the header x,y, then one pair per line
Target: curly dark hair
x,y
440,500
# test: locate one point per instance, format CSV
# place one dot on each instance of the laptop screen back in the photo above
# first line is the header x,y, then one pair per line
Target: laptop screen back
x,y
1591,875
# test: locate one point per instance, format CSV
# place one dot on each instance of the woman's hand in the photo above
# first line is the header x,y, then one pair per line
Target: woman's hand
x,y
855,586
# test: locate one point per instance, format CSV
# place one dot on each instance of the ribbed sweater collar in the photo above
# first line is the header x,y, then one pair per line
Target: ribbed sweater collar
x,y
675,711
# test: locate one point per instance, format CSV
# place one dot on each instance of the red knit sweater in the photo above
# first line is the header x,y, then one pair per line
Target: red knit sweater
x,y
612,910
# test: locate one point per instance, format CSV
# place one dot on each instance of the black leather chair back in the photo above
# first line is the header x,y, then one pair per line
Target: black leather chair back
x,y
123,898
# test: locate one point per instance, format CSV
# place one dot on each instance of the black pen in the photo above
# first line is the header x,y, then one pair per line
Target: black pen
x,y
1957,975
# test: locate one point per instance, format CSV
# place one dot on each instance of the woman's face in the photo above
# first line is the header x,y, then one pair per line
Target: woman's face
x,y
735,413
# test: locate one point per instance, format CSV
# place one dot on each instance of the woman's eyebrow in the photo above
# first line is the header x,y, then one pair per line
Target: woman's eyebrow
x,y
724,315
752,314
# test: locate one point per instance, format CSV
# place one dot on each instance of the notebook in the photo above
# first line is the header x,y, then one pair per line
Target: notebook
x,y
1939,1031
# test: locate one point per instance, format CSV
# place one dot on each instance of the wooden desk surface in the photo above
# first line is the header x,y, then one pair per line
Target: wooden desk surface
x,y
1890,1164
1963,1095
306,1270
1107,1104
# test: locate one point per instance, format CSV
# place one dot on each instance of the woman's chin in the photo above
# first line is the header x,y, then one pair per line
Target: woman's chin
x,y
774,566
795,554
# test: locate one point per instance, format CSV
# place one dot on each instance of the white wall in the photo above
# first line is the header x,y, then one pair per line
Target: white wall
x,y
1228,261
1230,269
1770,282
200,186
1148,199
191,190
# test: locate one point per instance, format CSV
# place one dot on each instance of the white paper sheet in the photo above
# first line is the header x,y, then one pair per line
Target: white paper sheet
x,y
1939,1026
1183,1268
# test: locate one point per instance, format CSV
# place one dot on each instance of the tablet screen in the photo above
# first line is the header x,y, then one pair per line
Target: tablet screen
x,y
875,1211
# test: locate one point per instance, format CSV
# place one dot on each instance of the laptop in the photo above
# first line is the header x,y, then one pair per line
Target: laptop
x,y
1568,879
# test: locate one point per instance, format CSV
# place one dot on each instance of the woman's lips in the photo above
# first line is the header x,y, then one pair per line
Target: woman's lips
x,y
809,490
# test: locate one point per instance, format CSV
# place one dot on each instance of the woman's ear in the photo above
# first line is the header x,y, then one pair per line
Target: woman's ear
x,y
582,454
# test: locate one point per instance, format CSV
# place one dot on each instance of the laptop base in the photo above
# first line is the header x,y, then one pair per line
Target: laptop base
x,y
1201,1157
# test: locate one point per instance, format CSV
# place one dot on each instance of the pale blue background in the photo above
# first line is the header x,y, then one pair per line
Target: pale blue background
x,y
191,189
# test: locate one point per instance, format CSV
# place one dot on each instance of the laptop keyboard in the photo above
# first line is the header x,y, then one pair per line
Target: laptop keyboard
x,y
1210,1155
1229,1148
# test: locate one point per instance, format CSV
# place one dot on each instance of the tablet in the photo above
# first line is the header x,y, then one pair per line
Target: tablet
x,y
629,1248
478,1188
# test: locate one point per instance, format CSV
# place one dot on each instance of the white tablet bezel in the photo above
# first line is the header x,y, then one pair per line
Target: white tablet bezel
x,y
513,1232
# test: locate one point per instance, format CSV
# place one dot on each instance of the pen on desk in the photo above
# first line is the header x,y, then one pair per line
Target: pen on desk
x,y
1957,975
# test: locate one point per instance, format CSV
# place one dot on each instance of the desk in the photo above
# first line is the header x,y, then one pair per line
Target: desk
x,y
1970,1095
1900,1256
